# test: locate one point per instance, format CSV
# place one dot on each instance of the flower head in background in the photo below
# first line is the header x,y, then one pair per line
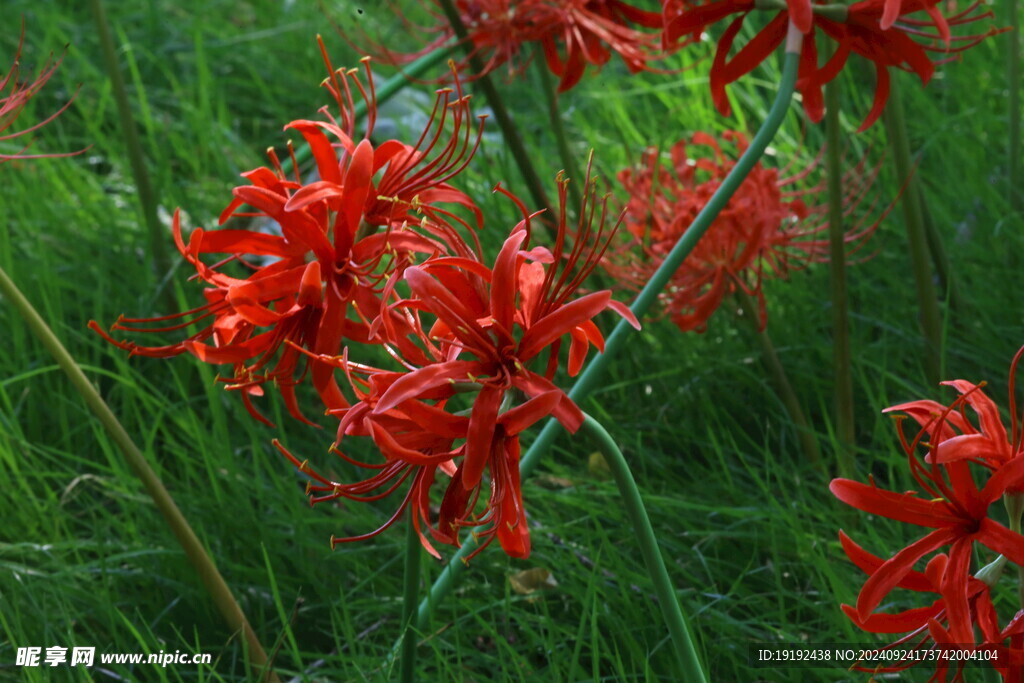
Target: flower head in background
x,y
570,33
374,211
768,228
900,34
15,94
484,330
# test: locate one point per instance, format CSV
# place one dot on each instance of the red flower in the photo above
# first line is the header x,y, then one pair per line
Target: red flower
x,y
572,34
330,263
416,441
878,30
956,438
953,506
958,512
766,229
477,311
488,326
15,94
432,452
922,625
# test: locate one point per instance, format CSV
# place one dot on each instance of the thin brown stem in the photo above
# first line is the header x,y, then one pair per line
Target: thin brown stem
x,y
201,561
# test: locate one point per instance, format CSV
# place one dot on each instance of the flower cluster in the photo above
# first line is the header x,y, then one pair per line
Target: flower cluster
x,y
460,405
570,33
769,227
889,33
372,254
373,212
964,469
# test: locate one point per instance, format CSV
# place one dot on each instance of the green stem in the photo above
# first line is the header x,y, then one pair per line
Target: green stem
x,y
513,139
634,504
841,360
147,197
931,321
1015,192
555,114
190,543
413,551
808,440
940,260
383,93
590,377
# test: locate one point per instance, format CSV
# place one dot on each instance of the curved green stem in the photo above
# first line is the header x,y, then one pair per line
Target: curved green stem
x,y
917,239
943,272
513,139
555,115
137,158
190,543
413,551
841,359
645,536
783,387
589,378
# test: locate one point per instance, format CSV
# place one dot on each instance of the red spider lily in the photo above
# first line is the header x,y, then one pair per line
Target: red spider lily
x,y
413,178
490,325
880,31
955,508
766,229
331,262
571,33
15,94
957,438
433,452
922,625
958,511
477,311
413,450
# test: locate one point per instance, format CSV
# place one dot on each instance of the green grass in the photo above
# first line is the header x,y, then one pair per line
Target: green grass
x,y
748,530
